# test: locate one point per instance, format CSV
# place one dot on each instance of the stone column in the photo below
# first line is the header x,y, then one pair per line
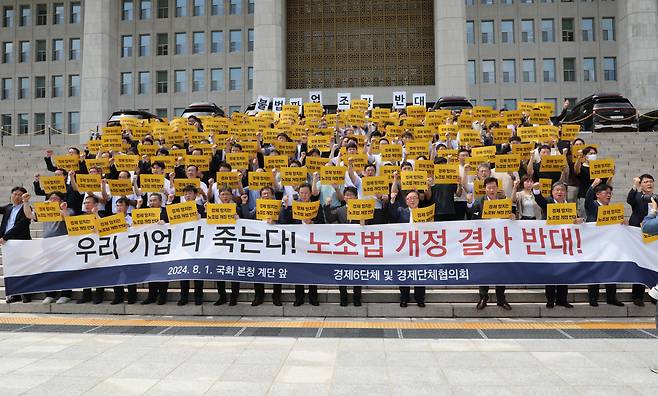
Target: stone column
x,y
270,48
637,38
100,80
450,48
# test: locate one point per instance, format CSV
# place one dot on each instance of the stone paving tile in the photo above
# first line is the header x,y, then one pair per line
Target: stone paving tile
x,y
606,391
360,333
203,331
122,386
180,387
517,334
65,386
439,333
239,388
575,333
286,389
127,330
279,332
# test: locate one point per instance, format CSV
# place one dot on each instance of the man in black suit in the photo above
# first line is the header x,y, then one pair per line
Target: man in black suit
x,y
190,193
15,226
157,290
599,194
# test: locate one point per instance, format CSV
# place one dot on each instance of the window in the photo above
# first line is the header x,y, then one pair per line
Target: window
x,y
163,44
587,27
250,78
217,41
198,80
161,81
470,32
58,49
41,51
24,52
144,44
509,104
180,81
6,88
23,123
235,79
58,86
57,121
567,29
181,8
250,40
549,69
529,70
144,83
569,69
126,83
178,111
74,49
163,9
75,12
6,123
145,9
610,69
216,79
486,2
487,32
7,52
251,6
198,42
490,103
126,46
39,87
39,122
235,7
470,2
217,7
8,17
547,30
162,113
234,109
180,44
509,71
608,29
528,31
527,1
507,31
25,16
488,72
127,10
74,122
74,85
58,14
589,69
198,7
42,14
235,40
471,72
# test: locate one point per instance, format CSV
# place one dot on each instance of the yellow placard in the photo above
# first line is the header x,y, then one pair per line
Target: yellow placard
x,y
314,164
478,187
552,163
121,187
332,174
359,104
446,174
202,162
80,225
276,161
145,216
320,142
112,224
360,209
147,149
221,213
523,149
182,212
501,135
469,137
423,215
497,209
286,148
601,169
230,179
94,146
388,170
610,214
391,152
561,213
67,162
293,175
305,210
47,211
373,185
569,131
488,152
179,185
358,160
238,160
648,238
126,162
103,163
52,183
413,180
546,186
508,162
414,150
87,183
151,183
424,166
258,180
268,209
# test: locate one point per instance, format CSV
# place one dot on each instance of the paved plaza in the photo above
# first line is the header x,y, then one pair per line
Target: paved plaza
x,y
124,356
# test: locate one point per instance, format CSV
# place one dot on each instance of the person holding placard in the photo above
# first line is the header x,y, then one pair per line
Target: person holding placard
x,y
15,225
526,204
475,208
102,196
581,169
91,205
73,198
167,191
443,196
190,194
599,194
370,170
534,169
131,198
122,206
226,196
191,172
157,290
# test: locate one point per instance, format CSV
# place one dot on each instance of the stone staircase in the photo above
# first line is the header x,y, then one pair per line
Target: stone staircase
x,y
633,153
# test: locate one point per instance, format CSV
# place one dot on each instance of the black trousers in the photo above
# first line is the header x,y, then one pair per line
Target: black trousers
x,y
157,288
312,293
460,210
500,293
185,288
610,291
64,293
356,293
119,292
556,293
638,292
419,293
235,288
259,289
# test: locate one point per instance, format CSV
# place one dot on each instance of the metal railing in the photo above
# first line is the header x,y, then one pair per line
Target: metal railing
x,y
47,136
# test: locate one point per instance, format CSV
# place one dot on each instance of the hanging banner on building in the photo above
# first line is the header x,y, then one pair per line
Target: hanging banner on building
x,y
447,253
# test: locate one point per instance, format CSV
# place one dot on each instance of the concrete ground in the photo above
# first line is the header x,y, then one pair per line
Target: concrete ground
x,y
72,355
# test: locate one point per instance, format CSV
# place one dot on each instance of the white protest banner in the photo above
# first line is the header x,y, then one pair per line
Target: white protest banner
x,y
343,100
419,99
277,104
399,100
262,103
315,97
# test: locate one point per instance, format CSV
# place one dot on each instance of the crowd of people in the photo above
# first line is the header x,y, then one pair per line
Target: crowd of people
x,y
360,148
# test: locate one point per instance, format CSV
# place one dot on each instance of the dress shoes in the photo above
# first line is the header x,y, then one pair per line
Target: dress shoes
x,y
550,304
357,302
594,303
421,304
616,303
504,305
314,302
26,298
297,303
116,301
149,300
638,302
276,300
403,304
256,302
564,304
13,299
221,300
482,304
233,301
